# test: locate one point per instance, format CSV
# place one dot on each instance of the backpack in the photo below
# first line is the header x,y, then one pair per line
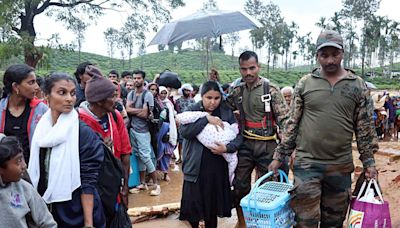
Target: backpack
x,y
110,178
109,181
155,124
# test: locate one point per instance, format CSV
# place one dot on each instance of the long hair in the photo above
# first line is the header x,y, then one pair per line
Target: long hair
x,y
15,74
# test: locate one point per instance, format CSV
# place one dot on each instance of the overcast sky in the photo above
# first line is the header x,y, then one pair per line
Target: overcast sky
x,y
305,13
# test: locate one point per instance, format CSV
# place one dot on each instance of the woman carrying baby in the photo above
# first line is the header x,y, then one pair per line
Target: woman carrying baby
x,y
206,189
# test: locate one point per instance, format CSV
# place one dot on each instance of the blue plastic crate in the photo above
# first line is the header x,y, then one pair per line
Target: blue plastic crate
x,y
267,205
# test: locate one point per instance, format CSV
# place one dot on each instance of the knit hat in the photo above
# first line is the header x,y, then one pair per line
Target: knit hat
x,y
329,38
92,71
99,88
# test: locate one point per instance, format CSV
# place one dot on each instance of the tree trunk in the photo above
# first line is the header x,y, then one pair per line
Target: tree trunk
x,y
79,50
207,50
363,50
32,57
273,62
391,59
130,57
233,58
362,66
28,34
286,60
350,54
268,60
363,59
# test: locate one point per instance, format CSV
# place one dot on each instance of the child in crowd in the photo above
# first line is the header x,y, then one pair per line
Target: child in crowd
x,y
20,204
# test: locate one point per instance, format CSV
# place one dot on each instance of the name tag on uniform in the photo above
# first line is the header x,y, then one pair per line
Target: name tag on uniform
x,y
266,99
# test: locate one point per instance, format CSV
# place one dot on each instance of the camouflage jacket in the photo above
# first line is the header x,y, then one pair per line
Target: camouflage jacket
x,y
278,104
323,118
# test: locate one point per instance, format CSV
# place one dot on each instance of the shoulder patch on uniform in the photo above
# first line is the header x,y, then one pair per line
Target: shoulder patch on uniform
x,y
236,90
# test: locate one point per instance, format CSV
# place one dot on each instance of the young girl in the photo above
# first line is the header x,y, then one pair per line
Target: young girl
x,y
20,111
19,201
66,157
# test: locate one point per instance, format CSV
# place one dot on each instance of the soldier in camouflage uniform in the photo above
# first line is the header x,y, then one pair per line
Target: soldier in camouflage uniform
x,y
262,107
328,106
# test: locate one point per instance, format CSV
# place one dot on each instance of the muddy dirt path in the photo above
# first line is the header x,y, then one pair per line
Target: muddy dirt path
x,y
389,178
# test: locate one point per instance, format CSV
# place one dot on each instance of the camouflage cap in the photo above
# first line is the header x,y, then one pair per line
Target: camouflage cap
x,y
329,38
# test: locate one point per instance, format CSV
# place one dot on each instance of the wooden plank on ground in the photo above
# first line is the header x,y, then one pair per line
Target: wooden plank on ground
x,y
163,209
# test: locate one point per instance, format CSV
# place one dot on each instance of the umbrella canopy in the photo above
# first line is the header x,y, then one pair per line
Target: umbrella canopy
x,y
204,23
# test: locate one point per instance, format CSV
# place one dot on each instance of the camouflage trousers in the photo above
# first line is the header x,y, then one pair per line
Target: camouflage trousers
x,y
321,194
252,154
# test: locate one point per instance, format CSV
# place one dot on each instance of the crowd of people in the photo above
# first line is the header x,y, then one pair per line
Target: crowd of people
x,y
386,116
56,137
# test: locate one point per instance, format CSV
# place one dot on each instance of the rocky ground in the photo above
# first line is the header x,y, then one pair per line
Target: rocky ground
x,y
388,165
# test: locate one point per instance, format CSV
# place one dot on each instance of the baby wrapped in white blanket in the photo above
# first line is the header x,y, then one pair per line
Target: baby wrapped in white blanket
x,y
212,134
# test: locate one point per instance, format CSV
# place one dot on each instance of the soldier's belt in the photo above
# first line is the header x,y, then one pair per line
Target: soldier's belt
x,y
261,124
252,134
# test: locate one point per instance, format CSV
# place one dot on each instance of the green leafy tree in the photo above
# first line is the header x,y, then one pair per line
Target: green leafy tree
x,y
270,34
142,52
371,38
351,47
362,10
393,42
311,49
210,5
383,40
133,33
111,36
18,16
337,22
289,34
78,27
307,48
232,39
321,23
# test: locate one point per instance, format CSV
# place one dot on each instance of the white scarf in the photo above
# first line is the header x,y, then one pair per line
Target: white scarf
x,y
173,132
64,170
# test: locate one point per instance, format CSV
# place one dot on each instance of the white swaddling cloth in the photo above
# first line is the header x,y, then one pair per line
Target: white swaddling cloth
x,y
212,134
